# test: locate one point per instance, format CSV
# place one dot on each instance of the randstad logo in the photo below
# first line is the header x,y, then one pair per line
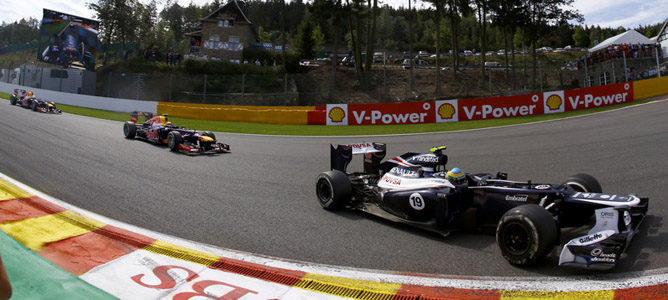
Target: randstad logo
x,y
553,102
446,111
337,114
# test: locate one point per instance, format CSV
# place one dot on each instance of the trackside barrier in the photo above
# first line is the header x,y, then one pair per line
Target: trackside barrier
x,y
648,88
133,263
104,103
456,110
292,115
453,110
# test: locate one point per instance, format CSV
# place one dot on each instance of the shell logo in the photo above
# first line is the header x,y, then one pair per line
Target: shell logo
x,y
337,114
554,102
446,111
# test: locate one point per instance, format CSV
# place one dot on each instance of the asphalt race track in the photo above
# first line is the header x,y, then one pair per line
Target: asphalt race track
x,y
261,197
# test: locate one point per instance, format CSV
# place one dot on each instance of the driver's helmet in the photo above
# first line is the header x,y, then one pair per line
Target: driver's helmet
x,y
456,176
30,94
168,124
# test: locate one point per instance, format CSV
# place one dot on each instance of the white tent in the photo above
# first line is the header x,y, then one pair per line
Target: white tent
x,y
630,37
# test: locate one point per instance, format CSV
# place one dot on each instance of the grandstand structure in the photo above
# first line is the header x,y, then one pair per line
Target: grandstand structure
x,y
662,38
625,57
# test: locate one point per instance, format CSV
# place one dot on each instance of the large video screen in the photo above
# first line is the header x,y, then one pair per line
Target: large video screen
x,y
67,40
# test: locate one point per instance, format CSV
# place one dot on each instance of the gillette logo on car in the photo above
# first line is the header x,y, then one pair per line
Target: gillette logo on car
x,y
590,238
594,237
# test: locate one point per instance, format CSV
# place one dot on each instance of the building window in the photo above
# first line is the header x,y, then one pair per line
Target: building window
x,y
224,23
234,39
214,37
604,78
590,81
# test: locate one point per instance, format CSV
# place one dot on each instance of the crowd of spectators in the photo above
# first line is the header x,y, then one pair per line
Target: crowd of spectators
x,y
619,52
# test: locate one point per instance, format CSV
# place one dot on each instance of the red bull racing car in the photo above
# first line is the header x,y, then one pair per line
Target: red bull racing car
x,y
27,100
527,217
159,130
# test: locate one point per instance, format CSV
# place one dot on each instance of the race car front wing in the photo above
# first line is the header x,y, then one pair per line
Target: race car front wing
x,y
607,240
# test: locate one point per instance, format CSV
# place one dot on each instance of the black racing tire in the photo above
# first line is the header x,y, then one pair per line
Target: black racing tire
x,y
35,106
209,134
12,100
174,139
575,214
333,189
130,130
526,234
584,183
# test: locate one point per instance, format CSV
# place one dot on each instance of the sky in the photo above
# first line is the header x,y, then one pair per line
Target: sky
x,y
605,13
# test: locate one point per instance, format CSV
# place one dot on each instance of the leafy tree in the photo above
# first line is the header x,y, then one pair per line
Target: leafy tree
x,y
318,38
263,36
19,32
454,10
304,40
580,37
540,14
438,12
508,15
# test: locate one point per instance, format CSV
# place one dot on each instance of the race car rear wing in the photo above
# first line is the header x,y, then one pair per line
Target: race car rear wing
x,y
134,116
341,156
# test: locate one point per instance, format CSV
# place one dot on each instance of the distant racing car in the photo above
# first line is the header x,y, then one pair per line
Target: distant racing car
x,y
527,217
159,130
27,100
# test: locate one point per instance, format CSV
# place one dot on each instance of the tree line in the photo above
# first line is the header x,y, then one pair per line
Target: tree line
x,y
350,26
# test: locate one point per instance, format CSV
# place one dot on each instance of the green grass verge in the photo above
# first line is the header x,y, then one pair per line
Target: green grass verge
x,y
273,129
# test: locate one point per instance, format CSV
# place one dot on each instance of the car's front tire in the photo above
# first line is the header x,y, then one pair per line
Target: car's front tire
x,y
12,100
526,234
584,183
174,139
574,214
333,189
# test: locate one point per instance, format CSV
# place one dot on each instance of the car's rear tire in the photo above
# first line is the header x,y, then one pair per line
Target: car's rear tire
x,y
174,139
130,130
584,183
333,189
526,234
